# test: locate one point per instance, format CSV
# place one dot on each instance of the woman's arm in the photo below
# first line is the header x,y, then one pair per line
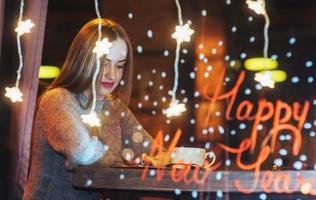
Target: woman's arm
x,y
136,140
65,131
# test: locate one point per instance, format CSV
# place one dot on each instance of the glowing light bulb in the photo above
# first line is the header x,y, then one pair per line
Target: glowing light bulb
x,y
257,6
14,94
24,27
91,119
265,79
306,188
102,47
183,33
175,109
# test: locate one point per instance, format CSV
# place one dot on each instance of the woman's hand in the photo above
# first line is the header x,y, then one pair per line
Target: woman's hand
x,y
160,160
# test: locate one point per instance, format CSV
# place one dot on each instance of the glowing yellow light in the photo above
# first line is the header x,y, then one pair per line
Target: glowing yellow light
x,y
183,33
48,72
24,27
102,47
306,188
259,64
257,6
175,109
91,119
14,94
278,76
265,79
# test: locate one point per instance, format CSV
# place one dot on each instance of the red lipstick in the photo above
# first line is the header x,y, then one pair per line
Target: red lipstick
x,y
107,84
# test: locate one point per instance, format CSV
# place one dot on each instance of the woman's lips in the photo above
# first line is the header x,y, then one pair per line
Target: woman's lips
x,y
107,84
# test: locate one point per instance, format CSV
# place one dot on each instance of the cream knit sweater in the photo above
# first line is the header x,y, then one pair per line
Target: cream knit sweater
x,y
61,141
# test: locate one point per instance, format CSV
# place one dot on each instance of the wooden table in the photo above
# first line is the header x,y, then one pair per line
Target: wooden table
x,y
223,181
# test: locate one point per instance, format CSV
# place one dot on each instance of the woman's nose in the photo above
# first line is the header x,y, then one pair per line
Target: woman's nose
x,y
111,72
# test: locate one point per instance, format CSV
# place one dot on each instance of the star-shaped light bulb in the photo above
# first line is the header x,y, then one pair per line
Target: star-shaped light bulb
x,y
91,119
183,33
102,47
258,6
175,109
14,94
265,79
24,27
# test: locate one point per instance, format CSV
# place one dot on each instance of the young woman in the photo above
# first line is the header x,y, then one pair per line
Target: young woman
x,y
61,140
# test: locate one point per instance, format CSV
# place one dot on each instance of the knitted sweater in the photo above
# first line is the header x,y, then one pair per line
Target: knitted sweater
x,y
61,141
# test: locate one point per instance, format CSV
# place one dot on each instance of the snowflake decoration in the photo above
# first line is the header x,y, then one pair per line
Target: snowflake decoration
x,y
24,27
257,6
265,79
102,47
91,119
14,94
175,109
183,33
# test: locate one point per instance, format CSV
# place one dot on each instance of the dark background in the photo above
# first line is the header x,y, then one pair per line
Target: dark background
x,y
289,18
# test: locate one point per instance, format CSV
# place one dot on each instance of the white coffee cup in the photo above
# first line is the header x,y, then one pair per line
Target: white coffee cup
x,y
192,156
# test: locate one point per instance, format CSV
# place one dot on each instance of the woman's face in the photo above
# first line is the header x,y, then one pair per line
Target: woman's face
x,y
113,69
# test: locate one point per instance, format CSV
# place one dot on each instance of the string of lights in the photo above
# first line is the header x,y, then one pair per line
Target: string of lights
x,y
102,48
264,77
182,34
14,93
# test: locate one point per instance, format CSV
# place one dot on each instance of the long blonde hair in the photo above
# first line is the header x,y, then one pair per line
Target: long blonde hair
x,y
79,66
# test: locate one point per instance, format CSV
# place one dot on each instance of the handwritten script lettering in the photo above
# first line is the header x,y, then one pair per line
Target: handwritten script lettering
x,y
284,117
266,110
269,181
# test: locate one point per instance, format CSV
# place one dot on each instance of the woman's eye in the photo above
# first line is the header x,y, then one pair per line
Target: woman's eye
x,y
120,66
